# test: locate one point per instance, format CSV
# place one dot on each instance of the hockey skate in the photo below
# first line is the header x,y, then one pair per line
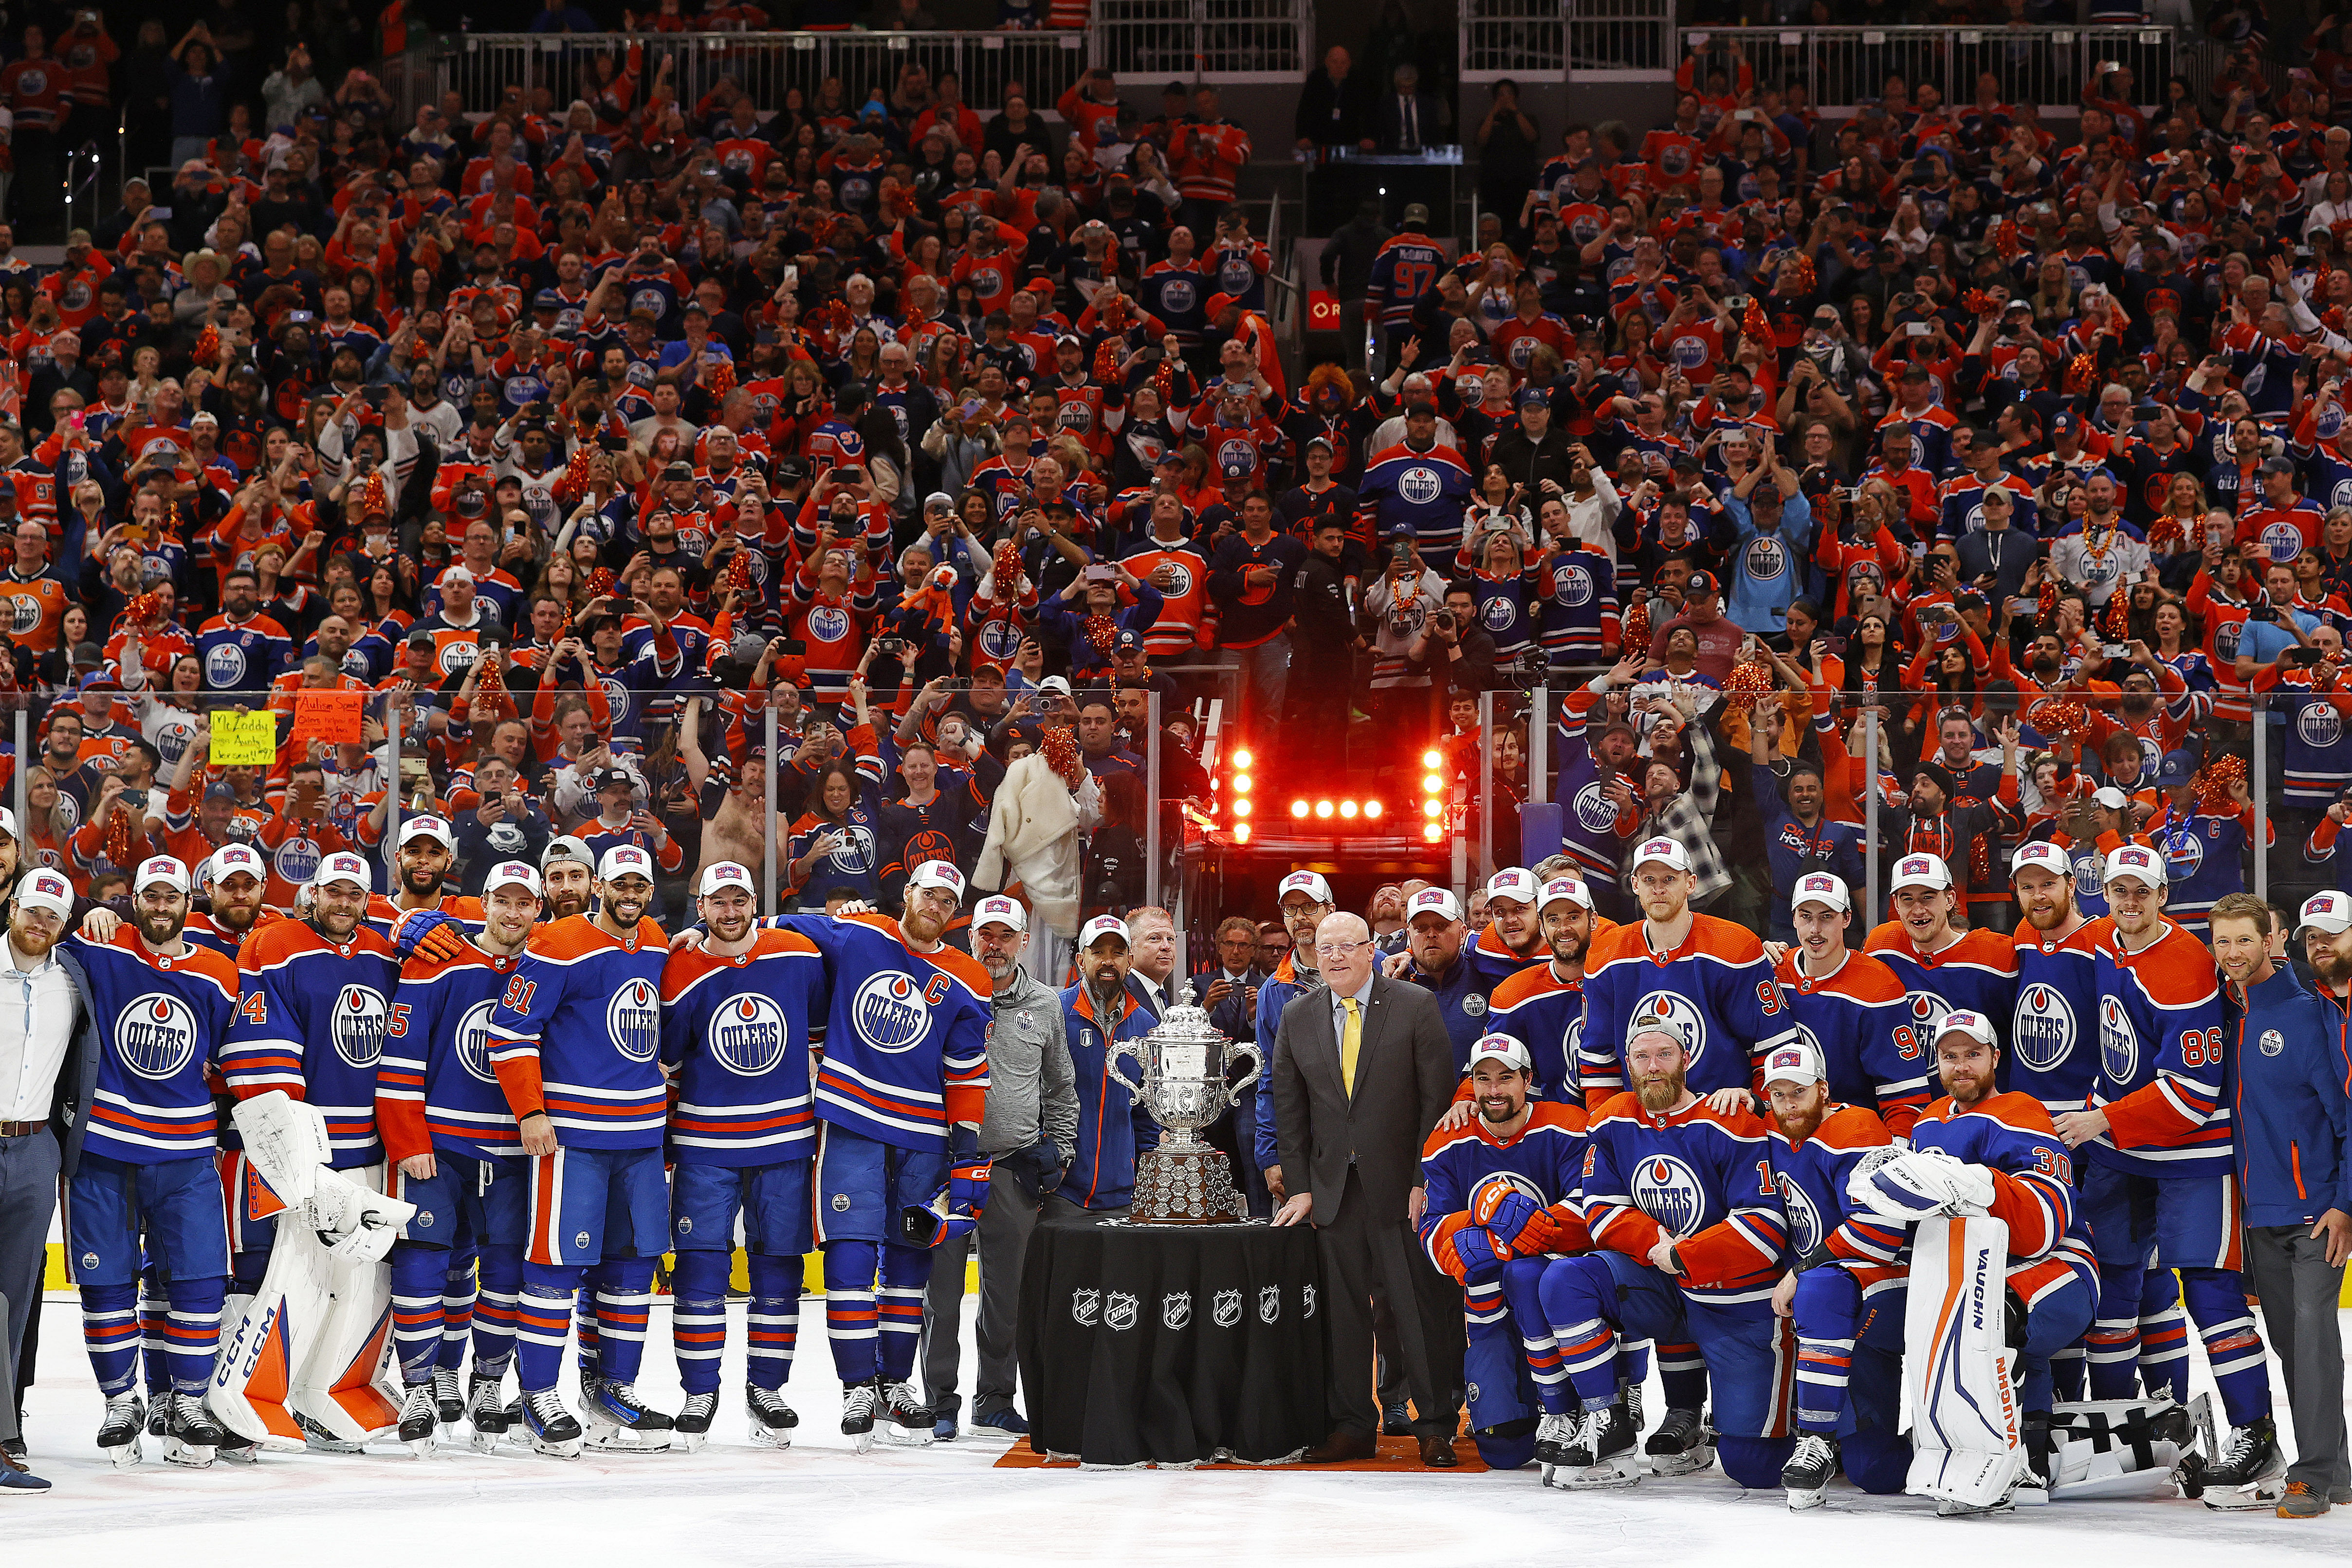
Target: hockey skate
x,y
1553,1435
772,1420
618,1422
317,1439
1598,1456
487,1415
552,1428
2247,1474
159,1413
909,1417
693,1427
193,1437
857,1404
449,1405
420,1420
1808,1471
118,1434
1681,1446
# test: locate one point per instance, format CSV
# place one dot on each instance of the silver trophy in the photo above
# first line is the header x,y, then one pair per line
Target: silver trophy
x,y
1183,1061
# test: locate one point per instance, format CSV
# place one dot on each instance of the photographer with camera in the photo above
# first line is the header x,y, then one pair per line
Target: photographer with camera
x,y
1452,648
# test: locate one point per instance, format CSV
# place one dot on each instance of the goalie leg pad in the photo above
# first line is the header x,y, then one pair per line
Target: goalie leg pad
x,y
1968,1430
2124,1447
285,1141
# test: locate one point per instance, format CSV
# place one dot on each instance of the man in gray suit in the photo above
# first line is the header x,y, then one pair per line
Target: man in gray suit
x,y
1361,1072
48,1069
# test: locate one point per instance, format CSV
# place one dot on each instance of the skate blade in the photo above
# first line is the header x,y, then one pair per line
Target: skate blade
x,y
1802,1498
862,1442
625,1440
688,1442
565,1450
767,1436
913,1437
423,1447
1948,1508
1690,1462
242,1453
193,1456
126,1455
2263,1494
1612,1476
486,1442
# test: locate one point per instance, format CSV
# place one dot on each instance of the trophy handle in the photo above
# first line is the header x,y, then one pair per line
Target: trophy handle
x,y
1257,1065
1111,1065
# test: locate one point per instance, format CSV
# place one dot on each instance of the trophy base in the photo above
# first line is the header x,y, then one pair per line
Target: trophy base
x,y
1185,1187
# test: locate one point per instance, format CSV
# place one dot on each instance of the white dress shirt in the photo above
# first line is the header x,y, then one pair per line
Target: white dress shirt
x,y
37,1015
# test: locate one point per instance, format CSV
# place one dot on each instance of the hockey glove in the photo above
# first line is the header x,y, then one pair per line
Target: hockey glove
x,y
1923,1184
1475,1248
437,936
1506,1212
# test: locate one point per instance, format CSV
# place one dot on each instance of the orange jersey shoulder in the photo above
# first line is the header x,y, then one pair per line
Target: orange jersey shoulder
x,y
1526,986
1853,1126
1559,1114
274,943
575,937
1723,939
689,966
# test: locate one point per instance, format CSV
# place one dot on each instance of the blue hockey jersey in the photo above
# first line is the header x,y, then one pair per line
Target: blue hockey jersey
x,y
1546,1014
1424,491
735,1034
1545,1160
2033,1177
2162,1058
2051,1057
1823,1221
162,1026
1717,991
1977,973
1695,1174
1859,1018
310,1017
435,1087
577,1031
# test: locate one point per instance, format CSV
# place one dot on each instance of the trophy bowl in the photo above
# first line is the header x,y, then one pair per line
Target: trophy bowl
x,y
1183,1063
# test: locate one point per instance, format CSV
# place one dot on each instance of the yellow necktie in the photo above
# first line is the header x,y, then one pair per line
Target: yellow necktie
x,y
1351,1040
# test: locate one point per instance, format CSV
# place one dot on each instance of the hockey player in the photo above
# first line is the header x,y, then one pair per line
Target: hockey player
x,y
737,1013
1991,1152
2057,982
452,1142
1687,1242
2156,1144
1851,1008
1501,1201
1512,938
427,846
1844,1290
899,1095
1942,965
233,878
163,1008
1544,1005
573,1039
1706,980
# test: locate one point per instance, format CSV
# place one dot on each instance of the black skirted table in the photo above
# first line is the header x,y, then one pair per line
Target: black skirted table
x,y
1173,1344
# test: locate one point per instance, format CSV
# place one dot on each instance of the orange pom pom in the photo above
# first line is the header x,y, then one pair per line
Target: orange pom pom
x,y
1797,273
1756,324
2006,240
2082,372
1633,631
2118,614
719,379
2066,720
1061,750
2216,780
2164,535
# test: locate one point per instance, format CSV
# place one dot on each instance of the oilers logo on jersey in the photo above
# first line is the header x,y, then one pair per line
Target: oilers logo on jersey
x,y
889,1013
2319,725
748,1035
474,1040
155,1036
297,860
1674,1015
1805,1230
1668,1191
999,640
634,1019
1927,1010
1766,559
1595,811
358,1027
1420,486
1571,584
2044,1028
2119,1042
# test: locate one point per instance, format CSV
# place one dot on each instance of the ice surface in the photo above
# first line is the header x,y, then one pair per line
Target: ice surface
x,y
822,1505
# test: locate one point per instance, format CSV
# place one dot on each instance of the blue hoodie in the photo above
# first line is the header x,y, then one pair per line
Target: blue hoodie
x,y
2292,1102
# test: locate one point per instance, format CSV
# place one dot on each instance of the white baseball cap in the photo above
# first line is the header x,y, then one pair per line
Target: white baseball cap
x,y
1101,926
725,874
1511,1052
2136,860
2331,912
2108,797
1310,883
162,869
1571,889
1921,871
623,860
512,874
938,874
1055,684
1821,887
7,822
46,890
1665,851
2047,856
342,867
427,828
1968,1021
996,909
1795,1061
230,858
1514,882
1438,901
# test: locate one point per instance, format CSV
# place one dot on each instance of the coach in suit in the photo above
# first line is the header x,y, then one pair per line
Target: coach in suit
x,y
1362,1069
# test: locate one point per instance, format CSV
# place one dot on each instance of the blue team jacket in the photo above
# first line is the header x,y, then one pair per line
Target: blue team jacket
x,y
1112,1128
2292,1101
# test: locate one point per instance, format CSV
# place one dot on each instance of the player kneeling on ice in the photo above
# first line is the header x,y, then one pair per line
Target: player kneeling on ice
x,y
1501,1206
2002,1276
1688,1233
736,1015
1843,1293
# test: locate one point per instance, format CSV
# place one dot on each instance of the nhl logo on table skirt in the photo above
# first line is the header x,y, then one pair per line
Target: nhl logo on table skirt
x,y
2272,1043
1269,1303
1226,1311
1306,1298
1119,1312
1176,1309
1083,1305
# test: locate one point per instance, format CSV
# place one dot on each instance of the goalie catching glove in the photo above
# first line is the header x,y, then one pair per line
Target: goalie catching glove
x,y
1923,1183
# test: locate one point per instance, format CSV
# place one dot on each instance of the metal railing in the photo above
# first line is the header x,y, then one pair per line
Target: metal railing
x,y
1566,40
481,66
2045,67
1213,41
